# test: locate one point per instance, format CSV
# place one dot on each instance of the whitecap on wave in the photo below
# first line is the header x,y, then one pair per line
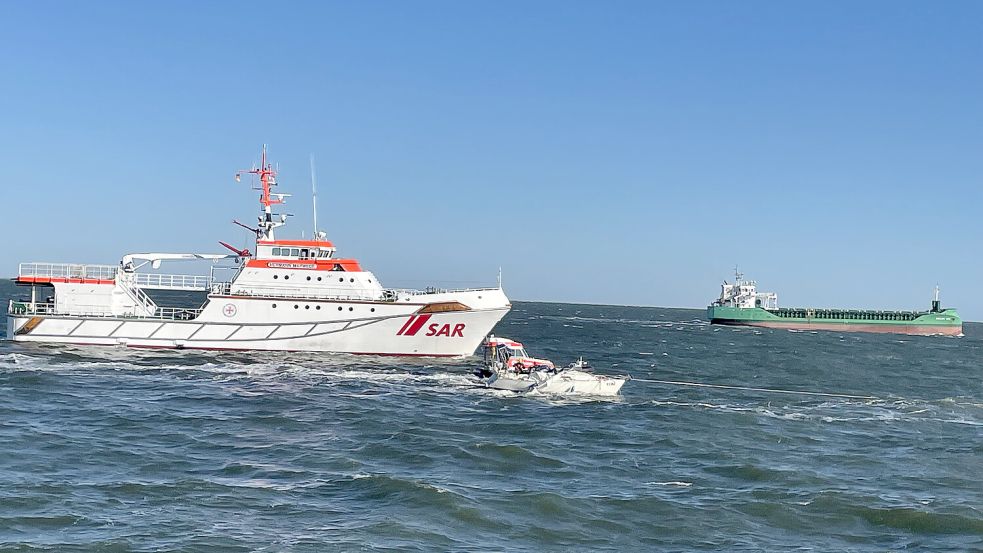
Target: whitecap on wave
x,y
674,483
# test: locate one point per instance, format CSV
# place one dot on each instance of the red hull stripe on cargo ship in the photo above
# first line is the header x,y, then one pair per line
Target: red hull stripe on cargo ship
x,y
911,329
413,325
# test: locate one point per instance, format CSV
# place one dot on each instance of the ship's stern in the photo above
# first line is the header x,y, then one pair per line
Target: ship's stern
x,y
11,320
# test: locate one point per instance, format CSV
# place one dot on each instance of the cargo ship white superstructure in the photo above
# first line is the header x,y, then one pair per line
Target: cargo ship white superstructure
x,y
287,295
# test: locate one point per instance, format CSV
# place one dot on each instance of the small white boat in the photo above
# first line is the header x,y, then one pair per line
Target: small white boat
x,y
508,367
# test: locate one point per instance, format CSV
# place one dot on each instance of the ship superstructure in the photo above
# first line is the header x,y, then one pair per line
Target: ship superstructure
x,y
741,304
286,295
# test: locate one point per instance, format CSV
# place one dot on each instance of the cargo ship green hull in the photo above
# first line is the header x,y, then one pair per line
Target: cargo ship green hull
x,y
924,323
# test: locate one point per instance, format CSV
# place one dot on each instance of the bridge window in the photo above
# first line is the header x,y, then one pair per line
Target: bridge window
x,y
304,252
295,252
276,251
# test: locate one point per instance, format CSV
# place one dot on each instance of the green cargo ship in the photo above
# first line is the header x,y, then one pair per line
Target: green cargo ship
x,y
741,304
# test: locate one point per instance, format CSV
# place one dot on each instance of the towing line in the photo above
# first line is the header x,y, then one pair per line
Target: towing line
x,y
751,389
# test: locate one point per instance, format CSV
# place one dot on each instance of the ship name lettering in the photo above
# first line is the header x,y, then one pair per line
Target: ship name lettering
x,y
437,329
291,266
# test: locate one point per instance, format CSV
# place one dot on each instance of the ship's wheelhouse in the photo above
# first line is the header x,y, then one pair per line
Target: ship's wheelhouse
x,y
314,251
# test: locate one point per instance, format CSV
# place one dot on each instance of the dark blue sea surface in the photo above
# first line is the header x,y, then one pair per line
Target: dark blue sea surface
x,y
107,449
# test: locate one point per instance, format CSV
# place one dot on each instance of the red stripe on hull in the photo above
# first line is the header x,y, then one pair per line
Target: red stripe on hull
x,y
417,325
406,325
914,330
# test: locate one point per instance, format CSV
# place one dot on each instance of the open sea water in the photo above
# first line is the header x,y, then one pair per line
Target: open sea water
x,y
104,449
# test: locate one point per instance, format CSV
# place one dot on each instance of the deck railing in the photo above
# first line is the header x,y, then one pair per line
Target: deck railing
x,y
166,313
329,293
156,281
153,281
67,270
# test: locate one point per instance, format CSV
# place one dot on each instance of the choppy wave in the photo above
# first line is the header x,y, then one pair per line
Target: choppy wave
x,y
123,450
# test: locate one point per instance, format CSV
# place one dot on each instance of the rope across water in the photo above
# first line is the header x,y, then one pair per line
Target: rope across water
x,y
752,389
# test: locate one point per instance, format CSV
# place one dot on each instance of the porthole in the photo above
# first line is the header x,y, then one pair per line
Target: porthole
x,y
296,306
308,278
373,310
341,279
352,280
319,279
274,306
351,309
286,277
318,308
307,307
276,277
339,308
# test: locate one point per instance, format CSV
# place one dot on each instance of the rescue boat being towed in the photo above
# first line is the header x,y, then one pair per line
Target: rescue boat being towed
x,y
290,295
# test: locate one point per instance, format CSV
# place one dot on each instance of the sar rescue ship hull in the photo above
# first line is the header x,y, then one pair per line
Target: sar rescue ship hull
x,y
438,329
943,323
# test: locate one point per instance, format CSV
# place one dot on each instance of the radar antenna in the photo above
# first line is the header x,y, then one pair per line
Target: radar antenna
x,y
267,178
317,236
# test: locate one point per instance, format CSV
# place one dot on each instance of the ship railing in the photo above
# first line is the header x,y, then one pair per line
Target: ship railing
x,y
162,313
67,270
154,281
346,294
435,290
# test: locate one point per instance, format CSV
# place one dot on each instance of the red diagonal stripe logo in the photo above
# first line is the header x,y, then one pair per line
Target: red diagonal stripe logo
x,y
406,325
417,325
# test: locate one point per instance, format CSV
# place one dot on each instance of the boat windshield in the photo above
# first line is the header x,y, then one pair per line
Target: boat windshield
x,y
501,352
507,352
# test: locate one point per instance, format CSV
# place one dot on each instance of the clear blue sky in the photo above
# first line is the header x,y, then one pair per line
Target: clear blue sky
x,y
609,152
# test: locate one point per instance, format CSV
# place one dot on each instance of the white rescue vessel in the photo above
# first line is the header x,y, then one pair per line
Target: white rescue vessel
x,y
508,367
286,295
